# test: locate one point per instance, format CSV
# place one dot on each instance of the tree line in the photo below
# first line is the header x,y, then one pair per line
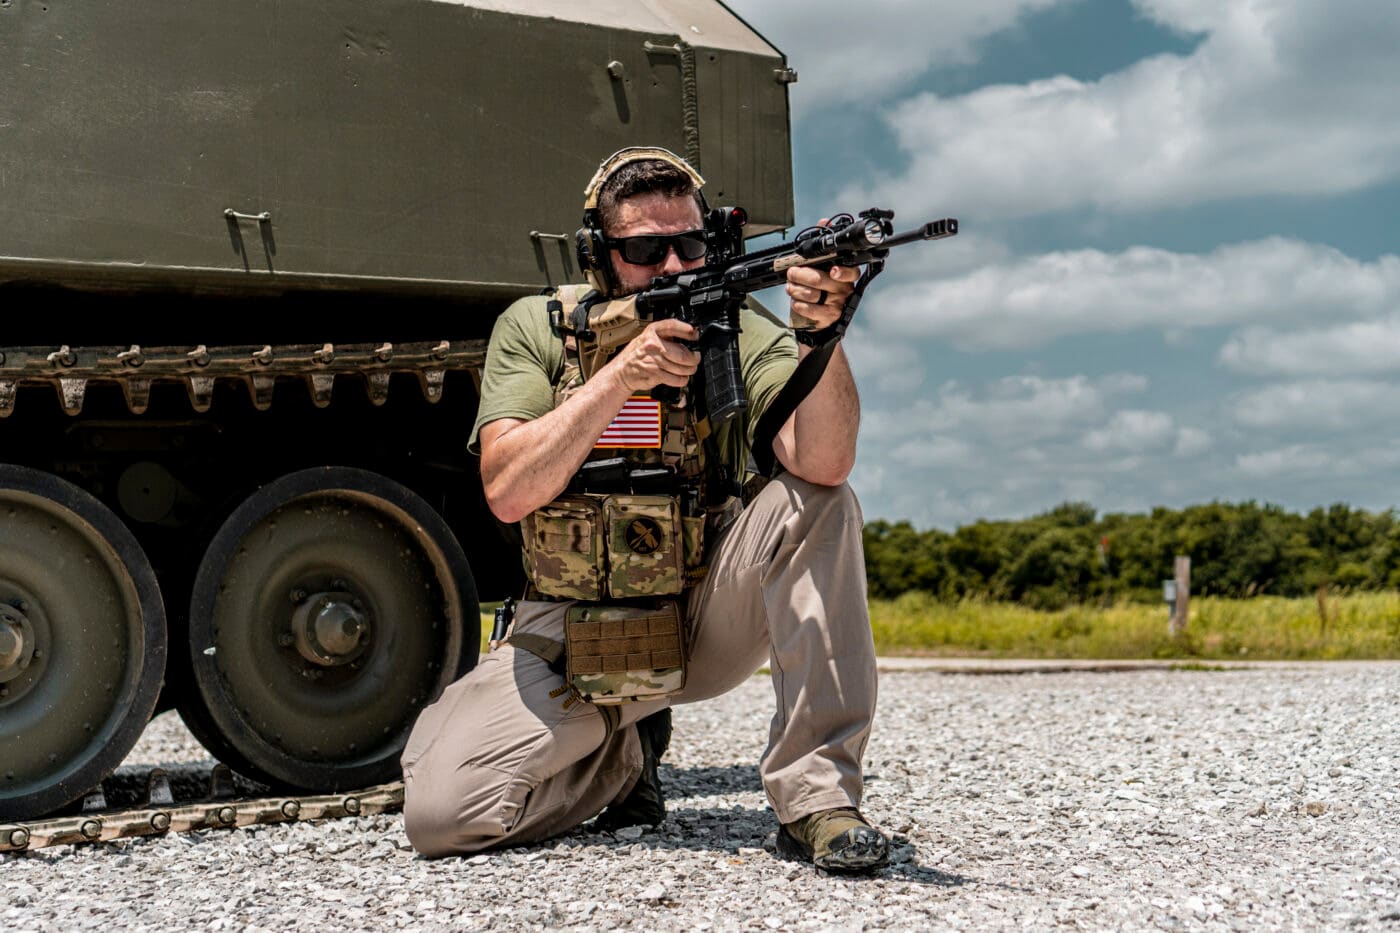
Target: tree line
x,y
1072,555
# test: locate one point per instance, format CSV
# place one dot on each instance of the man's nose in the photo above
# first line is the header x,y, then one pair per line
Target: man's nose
x,y
672,263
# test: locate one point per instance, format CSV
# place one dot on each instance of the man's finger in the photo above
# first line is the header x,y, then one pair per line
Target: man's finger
x,y
679,353
674,329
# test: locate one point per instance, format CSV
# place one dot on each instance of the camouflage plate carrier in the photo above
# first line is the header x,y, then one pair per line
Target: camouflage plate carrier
x,y
621,552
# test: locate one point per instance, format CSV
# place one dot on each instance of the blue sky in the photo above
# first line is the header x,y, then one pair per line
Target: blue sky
x,y
1177,278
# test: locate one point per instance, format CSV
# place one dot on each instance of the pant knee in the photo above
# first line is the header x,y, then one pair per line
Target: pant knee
x,y
818,502
455,820
427,823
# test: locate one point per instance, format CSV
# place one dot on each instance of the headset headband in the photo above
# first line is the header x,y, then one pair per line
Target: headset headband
x,y
634,154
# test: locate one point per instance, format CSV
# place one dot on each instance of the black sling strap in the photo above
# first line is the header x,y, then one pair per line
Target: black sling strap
x,y
806,376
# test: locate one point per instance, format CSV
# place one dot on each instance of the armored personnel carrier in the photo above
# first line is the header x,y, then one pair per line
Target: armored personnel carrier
x,y
250,255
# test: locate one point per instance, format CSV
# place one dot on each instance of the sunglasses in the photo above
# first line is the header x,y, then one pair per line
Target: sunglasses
x,y
650,249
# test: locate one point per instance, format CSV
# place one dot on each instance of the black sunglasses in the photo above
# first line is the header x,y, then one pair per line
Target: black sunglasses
x,y
651,248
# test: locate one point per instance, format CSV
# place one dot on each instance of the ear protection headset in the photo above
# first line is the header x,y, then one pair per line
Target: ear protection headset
x,y
590,241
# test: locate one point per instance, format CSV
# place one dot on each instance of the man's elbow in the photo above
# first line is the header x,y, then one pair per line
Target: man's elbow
x,y
830,477
509,509
826,473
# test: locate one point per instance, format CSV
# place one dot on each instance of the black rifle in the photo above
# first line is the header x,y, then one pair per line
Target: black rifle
x,y
709,299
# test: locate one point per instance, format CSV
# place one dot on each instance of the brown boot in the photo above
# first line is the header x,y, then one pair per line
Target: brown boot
x,y
837,840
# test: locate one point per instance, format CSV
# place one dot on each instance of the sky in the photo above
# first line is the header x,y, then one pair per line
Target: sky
x,y
1177,278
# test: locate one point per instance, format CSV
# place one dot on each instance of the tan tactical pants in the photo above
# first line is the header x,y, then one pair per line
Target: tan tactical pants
x,y
503,757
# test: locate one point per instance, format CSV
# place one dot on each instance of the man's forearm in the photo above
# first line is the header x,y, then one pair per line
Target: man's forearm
x,y
818,443
526,464
530,463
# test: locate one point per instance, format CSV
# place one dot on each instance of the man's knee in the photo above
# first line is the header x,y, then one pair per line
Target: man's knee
x,y
427,823
458,813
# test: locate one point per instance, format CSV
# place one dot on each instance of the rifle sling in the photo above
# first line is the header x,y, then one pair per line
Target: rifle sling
x,y
803,380
806,376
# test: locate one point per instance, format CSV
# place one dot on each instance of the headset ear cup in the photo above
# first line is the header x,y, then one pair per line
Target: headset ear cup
x,y
593,258
583,250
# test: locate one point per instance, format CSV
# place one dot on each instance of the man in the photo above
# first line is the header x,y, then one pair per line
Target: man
x,y
508,755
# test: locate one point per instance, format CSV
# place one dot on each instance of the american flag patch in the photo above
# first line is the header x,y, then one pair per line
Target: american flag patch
x,y
637,425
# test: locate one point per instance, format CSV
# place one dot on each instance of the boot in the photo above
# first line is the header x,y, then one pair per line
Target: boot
x,y
839,840
645,805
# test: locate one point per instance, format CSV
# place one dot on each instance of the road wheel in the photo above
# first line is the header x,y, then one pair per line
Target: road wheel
x,y
328,610
82,642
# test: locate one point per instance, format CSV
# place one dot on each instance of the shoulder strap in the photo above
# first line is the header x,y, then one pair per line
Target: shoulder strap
x,y
547,650
807,374
803,380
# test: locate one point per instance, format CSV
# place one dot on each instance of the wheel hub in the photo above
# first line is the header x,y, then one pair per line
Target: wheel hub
x,y
331,629
16,643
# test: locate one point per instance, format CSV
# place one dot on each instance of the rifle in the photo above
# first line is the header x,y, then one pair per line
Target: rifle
x,y
709,299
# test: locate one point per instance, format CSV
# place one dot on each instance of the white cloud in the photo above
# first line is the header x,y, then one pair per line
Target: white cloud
x,y
1319,405
1282,97
1017,409
846,53
1002,448
1294,460
1354,348
1353,458
932,451
1028,302
1133,430
889,368
1192,442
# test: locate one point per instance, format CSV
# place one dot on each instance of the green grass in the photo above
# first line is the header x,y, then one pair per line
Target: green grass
x,y
1359,626
1264,628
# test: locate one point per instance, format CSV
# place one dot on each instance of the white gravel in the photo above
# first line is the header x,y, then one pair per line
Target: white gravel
x,y
1205,800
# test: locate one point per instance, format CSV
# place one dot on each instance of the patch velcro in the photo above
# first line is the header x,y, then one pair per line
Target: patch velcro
x,y
618,654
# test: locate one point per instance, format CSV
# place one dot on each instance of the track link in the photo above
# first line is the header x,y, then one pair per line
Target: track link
x,y
160,815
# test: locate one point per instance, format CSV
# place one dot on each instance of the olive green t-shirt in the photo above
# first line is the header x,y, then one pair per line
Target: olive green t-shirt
x,y
526,356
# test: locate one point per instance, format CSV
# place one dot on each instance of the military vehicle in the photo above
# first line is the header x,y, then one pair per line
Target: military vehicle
x,y
250,255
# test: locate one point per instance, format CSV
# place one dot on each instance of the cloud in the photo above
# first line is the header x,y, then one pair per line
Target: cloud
x,y
1028,302
1281,98
1192,442
892,369
1353,458
1294,460
1018,409
1354,348
1319,405
1133,430
845,54
1000,448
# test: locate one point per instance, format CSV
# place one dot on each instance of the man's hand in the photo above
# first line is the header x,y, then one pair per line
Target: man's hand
x,y
525,464
657,357
819,295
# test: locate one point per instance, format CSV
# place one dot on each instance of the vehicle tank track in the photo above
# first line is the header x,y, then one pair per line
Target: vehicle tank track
x,y
70,370
158,813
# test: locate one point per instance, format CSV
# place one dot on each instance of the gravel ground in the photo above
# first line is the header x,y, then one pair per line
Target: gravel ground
x,y
1215,800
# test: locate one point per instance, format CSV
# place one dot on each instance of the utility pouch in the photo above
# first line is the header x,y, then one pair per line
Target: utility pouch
x,y
594,547
645,554
564,547
623,654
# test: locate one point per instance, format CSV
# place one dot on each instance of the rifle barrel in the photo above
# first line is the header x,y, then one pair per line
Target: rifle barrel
x,y
933,230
